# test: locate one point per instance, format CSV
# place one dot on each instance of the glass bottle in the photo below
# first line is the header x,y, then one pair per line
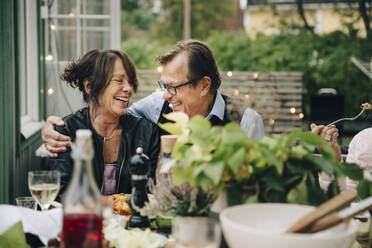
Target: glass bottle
x,y
82,217
163,176
165,160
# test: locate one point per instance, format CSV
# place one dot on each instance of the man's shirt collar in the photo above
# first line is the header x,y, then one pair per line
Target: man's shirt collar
x,y
218,108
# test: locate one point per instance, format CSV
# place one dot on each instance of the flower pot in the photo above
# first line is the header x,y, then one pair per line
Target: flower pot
x,y
196,232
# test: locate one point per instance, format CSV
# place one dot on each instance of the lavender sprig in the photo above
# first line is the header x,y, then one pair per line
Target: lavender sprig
x,y
174,200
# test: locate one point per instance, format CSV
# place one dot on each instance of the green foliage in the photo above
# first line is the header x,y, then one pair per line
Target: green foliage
x,y
278,169
324,61
206,15
138,13
143,53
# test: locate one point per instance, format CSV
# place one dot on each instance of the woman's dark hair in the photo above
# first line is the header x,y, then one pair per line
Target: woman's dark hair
x,y
97,66
200,61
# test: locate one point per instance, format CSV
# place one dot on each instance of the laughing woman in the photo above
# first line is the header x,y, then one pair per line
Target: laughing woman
x,y
106,80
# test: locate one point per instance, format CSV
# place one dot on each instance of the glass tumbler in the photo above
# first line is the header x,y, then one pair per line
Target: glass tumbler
x,y
196,232
27,202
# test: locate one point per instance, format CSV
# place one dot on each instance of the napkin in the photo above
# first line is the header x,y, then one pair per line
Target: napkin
x,y
14,237
45,224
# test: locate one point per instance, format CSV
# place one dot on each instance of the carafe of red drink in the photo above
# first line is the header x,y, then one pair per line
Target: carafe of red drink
x,y
82,219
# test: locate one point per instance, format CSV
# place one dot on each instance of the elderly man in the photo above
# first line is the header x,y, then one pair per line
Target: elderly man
x,y
190,81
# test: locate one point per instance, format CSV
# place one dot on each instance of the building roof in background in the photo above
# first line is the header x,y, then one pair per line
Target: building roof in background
x,y
264,2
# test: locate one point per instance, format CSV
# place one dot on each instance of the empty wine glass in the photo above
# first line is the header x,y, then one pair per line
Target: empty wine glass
x,y
44,186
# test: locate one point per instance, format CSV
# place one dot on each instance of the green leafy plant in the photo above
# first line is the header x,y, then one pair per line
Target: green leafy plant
x,y
278,169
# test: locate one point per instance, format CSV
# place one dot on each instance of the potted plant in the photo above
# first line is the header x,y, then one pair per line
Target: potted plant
x,y
188,206
282,168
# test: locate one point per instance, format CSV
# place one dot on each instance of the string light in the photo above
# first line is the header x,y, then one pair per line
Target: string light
x,y
246,96
229,73
53,27
255,76
236,92
271,122
160,69
300,115
72,12
50,91
292,110
49,57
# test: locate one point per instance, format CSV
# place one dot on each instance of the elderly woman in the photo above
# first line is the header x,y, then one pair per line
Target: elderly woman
x,y
106,80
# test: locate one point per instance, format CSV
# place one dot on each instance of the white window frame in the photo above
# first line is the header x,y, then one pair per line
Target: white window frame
x,y
29,68
55,62
113,28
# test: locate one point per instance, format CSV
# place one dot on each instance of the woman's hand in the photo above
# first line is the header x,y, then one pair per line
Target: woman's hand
x,y
54,141
329,134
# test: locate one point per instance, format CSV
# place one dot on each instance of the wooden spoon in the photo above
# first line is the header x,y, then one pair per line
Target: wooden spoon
x,y
336,203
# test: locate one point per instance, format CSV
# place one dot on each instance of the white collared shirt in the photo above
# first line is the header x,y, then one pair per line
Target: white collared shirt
x,y
150,108
218,108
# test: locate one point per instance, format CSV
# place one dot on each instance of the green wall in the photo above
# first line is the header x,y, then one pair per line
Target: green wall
x,y
16,157
7,99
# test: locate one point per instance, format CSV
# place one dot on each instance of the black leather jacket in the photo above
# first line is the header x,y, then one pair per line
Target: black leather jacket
x,y
137,132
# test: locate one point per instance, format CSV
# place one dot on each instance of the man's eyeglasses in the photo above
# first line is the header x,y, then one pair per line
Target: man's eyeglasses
x,y
172,88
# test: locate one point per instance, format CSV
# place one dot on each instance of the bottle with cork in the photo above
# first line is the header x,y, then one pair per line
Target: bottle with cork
x,y
165,160
82,207
164,223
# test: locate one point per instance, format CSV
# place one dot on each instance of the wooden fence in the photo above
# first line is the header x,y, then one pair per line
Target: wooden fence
x,y
276,96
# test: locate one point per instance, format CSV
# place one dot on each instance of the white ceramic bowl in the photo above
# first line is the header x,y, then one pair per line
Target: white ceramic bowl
x,y
263,226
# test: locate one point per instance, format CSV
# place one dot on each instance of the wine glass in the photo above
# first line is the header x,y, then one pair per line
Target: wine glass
x,y
44,186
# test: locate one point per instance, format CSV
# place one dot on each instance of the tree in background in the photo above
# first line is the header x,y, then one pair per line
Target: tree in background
x,y
301,12
206,15
163,19
364,14
137,17
323,59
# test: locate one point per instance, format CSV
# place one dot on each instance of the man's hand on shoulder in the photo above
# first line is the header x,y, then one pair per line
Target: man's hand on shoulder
x,y
54,141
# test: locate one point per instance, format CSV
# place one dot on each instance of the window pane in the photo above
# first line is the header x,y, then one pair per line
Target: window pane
x,y
95,39
95,7
66,44
66,7
66,23
95,23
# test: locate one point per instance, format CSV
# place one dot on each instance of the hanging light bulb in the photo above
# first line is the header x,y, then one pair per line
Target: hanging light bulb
x,y
246,96
292,110
49,57
229,73
50,91
255,76
300,115
160,69
53,27
271,122
236,92
72,12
